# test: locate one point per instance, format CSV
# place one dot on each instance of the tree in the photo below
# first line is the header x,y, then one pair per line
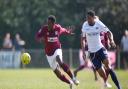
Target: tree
x,y
27,16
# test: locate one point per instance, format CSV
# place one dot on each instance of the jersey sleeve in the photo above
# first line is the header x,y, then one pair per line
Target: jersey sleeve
x,y
63,30
104,28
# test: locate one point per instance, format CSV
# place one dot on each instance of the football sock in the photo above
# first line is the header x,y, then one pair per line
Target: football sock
x,y
114,78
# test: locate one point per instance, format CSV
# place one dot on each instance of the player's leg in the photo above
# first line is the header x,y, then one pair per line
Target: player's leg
x,y
102,73
97,63
66,68
92,67
81,67
100,69
98,66
105,60
112,73
106,71
83,64
55,67
95,74
62,76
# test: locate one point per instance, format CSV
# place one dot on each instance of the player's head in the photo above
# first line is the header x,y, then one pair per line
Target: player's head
x,y
51,21
91,17
96,18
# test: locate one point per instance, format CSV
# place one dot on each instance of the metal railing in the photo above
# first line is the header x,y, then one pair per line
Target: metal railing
x,y
11,59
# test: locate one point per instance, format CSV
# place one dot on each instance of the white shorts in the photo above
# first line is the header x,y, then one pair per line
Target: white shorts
x,y
52,59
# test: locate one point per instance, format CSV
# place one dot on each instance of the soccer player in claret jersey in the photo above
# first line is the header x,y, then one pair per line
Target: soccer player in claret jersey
x,y
50,34
91,33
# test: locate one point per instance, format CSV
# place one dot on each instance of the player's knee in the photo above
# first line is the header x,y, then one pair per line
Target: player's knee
x,y
57,72
107,64
102,73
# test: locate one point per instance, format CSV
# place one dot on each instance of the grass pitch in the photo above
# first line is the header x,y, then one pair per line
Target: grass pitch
x,y
45,79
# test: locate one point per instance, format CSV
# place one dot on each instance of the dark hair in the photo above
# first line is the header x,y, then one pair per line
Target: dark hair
x,y
91,13
52,18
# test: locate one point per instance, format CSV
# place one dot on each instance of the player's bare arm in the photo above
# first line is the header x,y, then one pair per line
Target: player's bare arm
x,y
69,30
110,36
83,42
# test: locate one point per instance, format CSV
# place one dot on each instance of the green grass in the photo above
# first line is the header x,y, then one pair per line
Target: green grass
x,y
45,79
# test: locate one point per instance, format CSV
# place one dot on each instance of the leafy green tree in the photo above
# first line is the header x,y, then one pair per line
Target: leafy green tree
x,y
27,16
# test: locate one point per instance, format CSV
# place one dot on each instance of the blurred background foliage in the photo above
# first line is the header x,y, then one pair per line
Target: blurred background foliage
x,y
27,16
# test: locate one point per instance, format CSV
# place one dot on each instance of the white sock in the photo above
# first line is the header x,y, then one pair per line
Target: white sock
x,y
71,82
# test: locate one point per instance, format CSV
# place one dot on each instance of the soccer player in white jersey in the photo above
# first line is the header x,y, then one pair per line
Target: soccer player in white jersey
x,y
84,61
91,33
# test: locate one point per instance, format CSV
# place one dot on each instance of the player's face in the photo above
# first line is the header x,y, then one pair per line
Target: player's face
x,y
50,24
91,20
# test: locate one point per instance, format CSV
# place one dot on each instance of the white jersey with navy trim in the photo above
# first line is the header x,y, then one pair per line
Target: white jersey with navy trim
x,y
92,34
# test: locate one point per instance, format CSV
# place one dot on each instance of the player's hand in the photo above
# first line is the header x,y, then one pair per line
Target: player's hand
x,y
71,29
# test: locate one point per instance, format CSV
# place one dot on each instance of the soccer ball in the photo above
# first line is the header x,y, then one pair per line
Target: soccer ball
x,y
25,58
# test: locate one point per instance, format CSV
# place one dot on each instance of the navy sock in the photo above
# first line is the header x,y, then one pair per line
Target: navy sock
x,y
114,78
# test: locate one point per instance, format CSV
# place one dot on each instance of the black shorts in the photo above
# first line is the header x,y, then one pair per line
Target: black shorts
x,y
98,57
